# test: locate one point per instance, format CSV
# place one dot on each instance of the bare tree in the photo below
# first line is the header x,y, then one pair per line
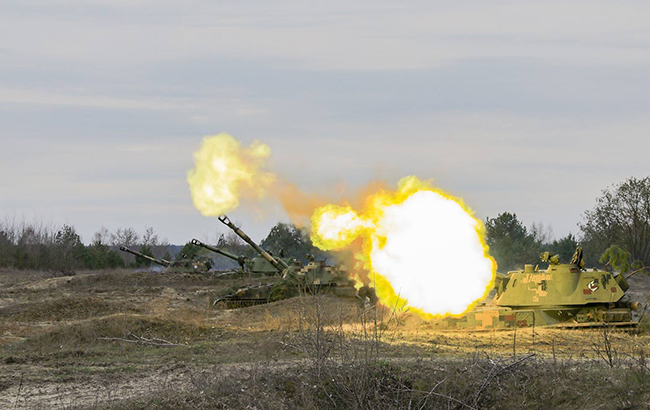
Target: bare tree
x,y
125,236
150,237
542,233
101,237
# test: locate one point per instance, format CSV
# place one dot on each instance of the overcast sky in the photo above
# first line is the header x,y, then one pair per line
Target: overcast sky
x,y
530,107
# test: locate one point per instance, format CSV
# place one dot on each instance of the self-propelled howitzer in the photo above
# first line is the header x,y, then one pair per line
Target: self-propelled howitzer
x,y
257,266
278,264
161,262
241,260
181,266
297,279
563,295
314,278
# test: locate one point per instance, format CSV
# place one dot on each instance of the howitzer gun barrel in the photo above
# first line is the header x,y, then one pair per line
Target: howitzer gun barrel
x,y
636,271
161,262
240,259
278,264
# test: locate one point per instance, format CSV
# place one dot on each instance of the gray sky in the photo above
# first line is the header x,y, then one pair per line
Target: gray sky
x,y
530,107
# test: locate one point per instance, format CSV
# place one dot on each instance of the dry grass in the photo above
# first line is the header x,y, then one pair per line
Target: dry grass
x,y
94,341
477,382
354,365
65,308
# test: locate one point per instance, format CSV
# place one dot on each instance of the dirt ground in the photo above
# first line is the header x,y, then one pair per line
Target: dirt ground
x,y
96,339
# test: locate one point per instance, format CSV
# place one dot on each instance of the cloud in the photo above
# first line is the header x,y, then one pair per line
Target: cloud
x,y
333,35
531,107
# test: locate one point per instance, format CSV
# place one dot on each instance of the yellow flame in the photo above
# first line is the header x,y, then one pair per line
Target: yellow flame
x,y
423,247
336,226
224,172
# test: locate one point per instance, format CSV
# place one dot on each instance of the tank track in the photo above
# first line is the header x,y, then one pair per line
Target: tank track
x,y
225,304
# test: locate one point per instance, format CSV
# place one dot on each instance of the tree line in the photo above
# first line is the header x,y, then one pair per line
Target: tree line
x,y
615,232
38,246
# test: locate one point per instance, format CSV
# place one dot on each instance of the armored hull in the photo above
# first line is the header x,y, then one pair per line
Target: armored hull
x,y
189,266
316,278
181,266
259,295
495,318
564,295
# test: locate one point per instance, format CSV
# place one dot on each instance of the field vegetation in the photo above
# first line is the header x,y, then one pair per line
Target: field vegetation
x,y
122,339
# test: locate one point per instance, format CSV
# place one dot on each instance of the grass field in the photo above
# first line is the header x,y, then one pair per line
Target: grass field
x,y
131,340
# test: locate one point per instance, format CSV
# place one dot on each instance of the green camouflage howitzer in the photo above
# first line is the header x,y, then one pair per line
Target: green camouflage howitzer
x,y
258,266
314,278
182,266
241,260
563,296
161,262
278,264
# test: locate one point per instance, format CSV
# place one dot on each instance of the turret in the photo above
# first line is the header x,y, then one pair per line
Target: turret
x,y
278,264
241,260
561,284
161,262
